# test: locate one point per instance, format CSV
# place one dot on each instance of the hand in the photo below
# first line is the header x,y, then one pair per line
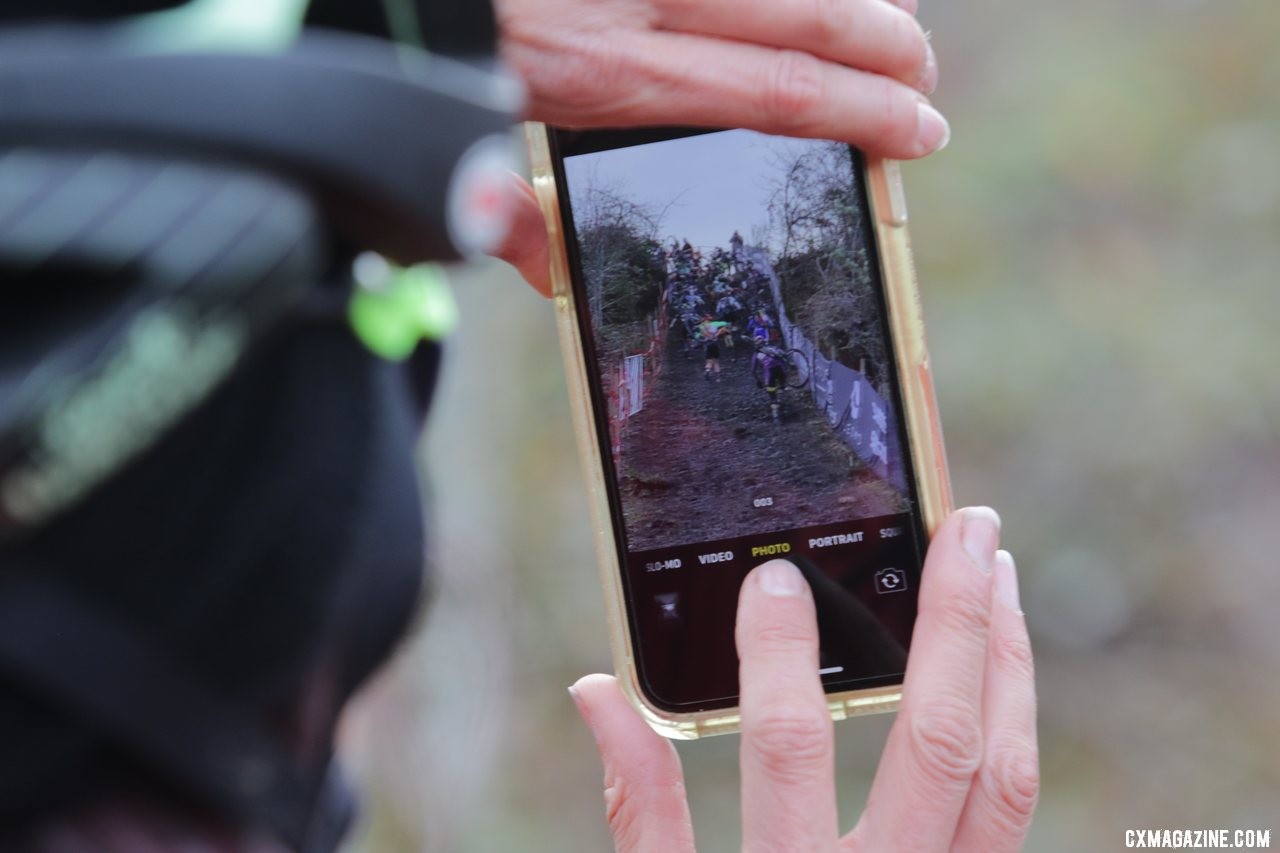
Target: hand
x,y
959,771
851,70
526,247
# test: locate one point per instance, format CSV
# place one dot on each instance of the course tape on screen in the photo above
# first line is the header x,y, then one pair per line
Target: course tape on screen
x,y
859,415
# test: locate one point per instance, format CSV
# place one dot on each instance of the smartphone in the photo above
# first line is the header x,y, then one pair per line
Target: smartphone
x,y
746,359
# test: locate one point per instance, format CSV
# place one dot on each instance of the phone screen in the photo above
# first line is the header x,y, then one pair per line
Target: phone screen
x,y
745,394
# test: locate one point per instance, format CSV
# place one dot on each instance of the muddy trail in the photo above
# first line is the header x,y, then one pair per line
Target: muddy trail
x,y
701,454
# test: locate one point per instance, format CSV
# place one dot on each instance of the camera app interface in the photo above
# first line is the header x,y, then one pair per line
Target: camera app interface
x,y
730,293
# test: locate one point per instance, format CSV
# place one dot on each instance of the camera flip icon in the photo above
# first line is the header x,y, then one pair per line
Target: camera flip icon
x,y
891,580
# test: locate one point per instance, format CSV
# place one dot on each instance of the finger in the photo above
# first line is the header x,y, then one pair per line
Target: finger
x,y
935,746
870,35
643,783
788,772
1003,797
687,79
525,246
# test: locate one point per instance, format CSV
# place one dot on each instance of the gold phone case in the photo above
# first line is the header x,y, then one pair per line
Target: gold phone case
x,y
924,430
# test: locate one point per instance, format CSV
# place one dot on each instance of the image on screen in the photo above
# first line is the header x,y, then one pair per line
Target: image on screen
x,y
739,336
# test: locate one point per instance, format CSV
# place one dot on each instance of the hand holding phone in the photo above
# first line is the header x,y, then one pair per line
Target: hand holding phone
x,y
959,772
797,68
853,70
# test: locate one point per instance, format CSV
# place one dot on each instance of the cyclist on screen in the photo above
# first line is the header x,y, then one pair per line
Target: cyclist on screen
x,y
771,374
711,332
761,327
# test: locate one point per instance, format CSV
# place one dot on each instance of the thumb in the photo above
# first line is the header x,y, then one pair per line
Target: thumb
x,y
525,246
643,783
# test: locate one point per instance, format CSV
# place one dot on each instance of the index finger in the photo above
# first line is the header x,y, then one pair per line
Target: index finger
x,y
868,34
788,769
680,78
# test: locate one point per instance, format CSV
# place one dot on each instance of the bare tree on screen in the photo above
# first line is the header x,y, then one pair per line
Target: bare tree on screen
x,y
817,234
621,259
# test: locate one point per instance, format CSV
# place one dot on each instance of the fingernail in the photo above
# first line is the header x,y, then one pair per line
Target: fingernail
x,y
980,535
933,133
582,708
780,578
929,77
1006,581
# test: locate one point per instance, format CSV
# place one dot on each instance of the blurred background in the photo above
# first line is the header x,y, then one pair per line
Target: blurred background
x,y
1099,254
